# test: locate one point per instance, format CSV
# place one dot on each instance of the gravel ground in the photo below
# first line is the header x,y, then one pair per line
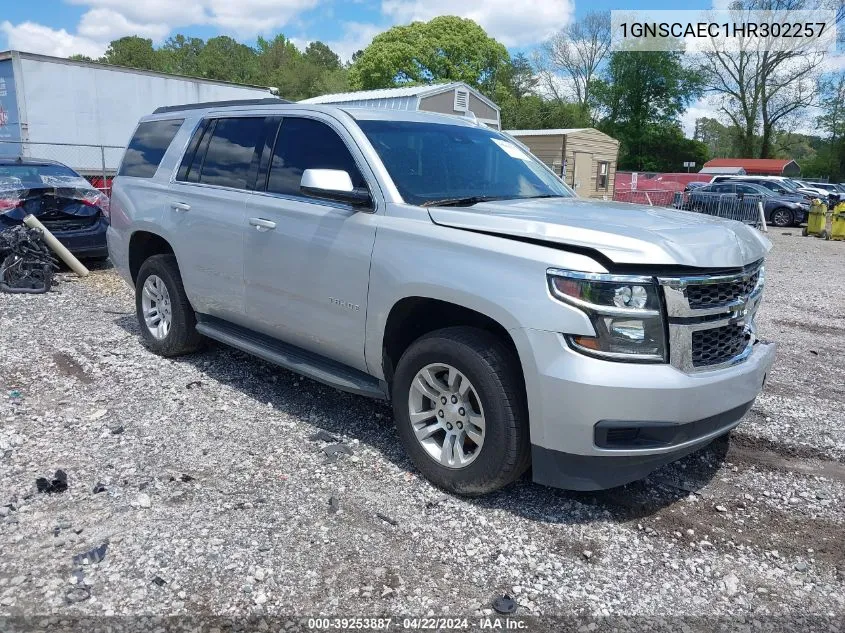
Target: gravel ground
x,y
202,477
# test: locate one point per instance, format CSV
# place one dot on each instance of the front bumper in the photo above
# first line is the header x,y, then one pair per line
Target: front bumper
x,y
573,400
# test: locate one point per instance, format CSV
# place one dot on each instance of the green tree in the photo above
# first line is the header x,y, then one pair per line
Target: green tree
x,y
640,100
446,48
180,55
132,51
322,56
225,59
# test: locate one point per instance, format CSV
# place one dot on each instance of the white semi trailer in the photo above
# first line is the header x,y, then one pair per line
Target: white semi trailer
x,y
83,113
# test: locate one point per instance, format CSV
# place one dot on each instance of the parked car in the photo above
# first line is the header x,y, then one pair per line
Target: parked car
x,y
428,260
779,210
831,189
778,187
65,203
793,186
815,190
692,186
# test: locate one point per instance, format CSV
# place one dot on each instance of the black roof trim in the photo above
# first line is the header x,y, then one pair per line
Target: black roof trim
x,y
220,104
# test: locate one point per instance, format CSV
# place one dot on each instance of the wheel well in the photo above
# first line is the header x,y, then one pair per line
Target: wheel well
x,y
414,317
144,245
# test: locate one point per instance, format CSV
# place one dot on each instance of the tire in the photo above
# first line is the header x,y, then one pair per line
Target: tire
x,y
181,336
782,217
494,377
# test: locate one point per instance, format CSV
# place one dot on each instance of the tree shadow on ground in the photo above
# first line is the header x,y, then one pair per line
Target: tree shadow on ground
x,y
371,422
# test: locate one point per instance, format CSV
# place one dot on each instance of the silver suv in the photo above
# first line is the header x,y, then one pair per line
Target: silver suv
x,y
433,262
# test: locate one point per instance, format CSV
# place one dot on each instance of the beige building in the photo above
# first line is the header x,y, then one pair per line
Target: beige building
x,y
453,98
584,157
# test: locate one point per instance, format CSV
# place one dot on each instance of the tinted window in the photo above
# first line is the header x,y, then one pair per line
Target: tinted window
x,y
747,189
307,144
722,188
436,162
147,147
229,159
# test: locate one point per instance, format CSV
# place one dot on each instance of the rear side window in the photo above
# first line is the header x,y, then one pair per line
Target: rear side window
x,y
307,144
231,160
147,147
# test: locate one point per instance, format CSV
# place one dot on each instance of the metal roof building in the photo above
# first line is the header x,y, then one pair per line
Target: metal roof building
x,y
455,98
756,166
583,157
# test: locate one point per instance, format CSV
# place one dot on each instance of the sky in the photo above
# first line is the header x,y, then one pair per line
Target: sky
x,y
65,27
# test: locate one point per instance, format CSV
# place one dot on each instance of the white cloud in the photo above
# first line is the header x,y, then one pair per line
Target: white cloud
x,y
356,36
249,17
35,38
244,17
529,22
105,25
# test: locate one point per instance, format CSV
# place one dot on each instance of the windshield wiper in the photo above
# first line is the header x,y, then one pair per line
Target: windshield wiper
x,y
461,202
471,200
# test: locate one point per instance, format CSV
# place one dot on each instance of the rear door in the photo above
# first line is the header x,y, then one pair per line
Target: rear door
x,y
307,262
208,209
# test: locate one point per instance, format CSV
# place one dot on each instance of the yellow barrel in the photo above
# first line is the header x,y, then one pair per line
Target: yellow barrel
x,y
816,218
837,223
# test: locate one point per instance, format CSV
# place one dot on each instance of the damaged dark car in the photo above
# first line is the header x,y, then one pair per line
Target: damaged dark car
x,y
65,203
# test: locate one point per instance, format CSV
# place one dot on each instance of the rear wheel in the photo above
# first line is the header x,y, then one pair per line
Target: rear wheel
x,y
167,320
781,217
460,410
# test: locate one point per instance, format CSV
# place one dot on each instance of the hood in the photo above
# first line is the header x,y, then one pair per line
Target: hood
x,y
624,233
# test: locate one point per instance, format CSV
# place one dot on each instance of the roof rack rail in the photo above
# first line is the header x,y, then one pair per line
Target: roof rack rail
x,y
220,104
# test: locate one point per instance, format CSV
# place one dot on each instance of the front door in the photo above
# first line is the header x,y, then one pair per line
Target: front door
x,y
208,206
307,262
582,172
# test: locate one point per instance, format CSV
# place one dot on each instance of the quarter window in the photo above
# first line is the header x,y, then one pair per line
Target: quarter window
x,y
147,147
230,160
307,144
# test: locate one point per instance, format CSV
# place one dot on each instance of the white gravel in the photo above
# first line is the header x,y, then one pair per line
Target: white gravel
x,y
216,502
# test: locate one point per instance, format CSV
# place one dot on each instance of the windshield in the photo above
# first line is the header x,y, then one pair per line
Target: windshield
x,y
434,162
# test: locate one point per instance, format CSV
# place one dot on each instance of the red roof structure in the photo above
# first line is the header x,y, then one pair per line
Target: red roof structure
x,y
758,166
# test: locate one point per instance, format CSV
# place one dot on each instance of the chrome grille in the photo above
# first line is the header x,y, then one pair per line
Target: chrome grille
x,y
711,317
718,345
701,296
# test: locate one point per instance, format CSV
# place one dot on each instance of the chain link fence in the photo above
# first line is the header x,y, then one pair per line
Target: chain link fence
x,y
97,163
742,208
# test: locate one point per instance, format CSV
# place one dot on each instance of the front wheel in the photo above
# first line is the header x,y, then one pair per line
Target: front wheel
x,y
781,217
459,404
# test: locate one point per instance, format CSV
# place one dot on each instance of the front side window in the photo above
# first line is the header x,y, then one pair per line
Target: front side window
x,y
230,160
433,163
307,144
147,147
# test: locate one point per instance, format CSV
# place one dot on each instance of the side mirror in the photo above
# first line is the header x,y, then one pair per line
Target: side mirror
x,y
333,184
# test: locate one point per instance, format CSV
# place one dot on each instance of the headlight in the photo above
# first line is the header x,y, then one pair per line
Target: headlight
x,y
624,310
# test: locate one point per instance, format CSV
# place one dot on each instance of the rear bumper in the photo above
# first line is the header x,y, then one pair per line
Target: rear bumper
x,y
89,242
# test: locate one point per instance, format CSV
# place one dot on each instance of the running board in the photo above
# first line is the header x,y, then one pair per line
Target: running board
x,y
298,360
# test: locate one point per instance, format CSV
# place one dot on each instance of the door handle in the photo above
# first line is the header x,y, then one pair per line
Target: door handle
x,y
261,224
181,207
